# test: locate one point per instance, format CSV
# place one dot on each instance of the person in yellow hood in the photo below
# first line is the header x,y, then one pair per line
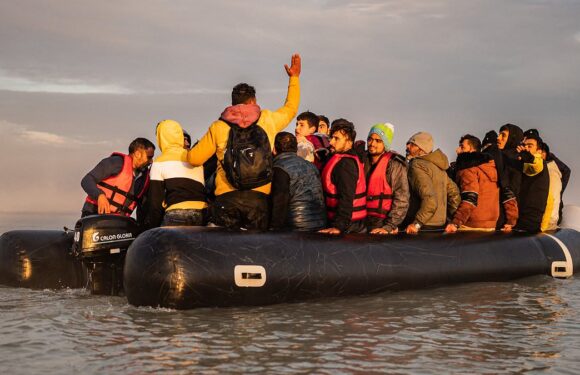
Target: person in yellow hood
x,y
245,208
176,192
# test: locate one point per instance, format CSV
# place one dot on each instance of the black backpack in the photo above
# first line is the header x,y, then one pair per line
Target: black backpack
x,y
248,157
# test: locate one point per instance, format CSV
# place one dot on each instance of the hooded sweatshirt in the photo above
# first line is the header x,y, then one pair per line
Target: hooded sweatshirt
x,y
477,178
175,184
529,180
434,195
509,153
216,138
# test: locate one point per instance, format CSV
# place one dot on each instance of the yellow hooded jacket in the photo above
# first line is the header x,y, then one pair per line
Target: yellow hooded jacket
x,y
216,138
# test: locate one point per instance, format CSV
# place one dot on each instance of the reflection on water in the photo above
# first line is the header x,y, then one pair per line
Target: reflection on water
x,y
529,325
483,328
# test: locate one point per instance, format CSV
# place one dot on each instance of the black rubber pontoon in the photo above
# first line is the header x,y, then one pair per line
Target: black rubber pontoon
x,y
39,259
185,268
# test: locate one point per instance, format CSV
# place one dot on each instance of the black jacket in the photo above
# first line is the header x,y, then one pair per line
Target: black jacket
x,y
345,176
532,200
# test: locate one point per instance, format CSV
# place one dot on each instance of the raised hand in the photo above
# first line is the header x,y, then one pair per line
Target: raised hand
x,y
295,66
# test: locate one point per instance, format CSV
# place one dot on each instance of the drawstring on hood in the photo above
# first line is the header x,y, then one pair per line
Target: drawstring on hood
x,y
242,115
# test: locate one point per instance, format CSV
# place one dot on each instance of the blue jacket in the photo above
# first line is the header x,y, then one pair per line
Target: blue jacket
x,y
304,208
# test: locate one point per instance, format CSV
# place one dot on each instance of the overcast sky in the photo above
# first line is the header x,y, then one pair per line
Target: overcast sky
x,y
81,79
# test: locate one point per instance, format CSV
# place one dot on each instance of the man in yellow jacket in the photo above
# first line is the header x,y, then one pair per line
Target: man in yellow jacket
x,y
245,208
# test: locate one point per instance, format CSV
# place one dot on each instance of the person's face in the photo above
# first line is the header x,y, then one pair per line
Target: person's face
x,y
375,145
339,142
323,127
303,128
413,150
531,145
464,146
142,157
186,144
502,139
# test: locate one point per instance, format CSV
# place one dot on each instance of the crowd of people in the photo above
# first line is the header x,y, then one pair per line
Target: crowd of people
x,y
247,173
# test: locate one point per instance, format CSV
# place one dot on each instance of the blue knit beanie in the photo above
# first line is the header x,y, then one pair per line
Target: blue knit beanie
x,y
385,131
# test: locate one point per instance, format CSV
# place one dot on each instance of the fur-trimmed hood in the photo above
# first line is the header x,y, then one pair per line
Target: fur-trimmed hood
x,y
479,160
471,159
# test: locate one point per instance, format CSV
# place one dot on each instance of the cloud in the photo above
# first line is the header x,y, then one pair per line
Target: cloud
x,y
577,37
397,9
43,137
21,133
62,86
70,86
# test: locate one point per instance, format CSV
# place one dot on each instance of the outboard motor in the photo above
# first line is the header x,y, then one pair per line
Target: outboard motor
x,y
101,242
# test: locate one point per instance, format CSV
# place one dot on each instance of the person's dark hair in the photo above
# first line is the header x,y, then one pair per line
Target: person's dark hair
x,y
344,126
140,143
242,93
309,117
187,136
285,142
325,119
473,141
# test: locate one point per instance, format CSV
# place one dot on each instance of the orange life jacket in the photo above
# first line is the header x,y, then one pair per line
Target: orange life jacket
x,y
117,188
359,211
379,192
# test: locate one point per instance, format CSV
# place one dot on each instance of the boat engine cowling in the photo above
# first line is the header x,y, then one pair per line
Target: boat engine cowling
x,y
101,242
100,236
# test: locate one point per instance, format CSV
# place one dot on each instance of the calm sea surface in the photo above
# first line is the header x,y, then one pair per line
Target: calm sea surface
x,y
530,325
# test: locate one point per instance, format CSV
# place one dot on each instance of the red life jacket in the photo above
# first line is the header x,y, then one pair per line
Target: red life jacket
x,y
359,211
117,188
379,192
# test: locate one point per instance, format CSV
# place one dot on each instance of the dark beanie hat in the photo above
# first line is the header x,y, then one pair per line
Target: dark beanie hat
x,y
490,138
531,132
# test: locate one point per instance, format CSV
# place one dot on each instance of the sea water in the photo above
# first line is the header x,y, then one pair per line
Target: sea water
x,y
529,325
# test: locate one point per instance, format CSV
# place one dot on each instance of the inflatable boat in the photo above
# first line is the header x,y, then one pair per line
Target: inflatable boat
x,y
189,267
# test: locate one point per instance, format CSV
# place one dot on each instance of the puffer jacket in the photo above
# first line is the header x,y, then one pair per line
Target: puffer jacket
x,y
434,196
477,179
306,209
